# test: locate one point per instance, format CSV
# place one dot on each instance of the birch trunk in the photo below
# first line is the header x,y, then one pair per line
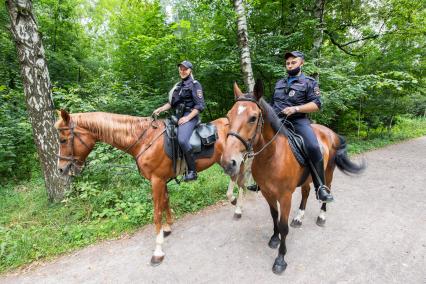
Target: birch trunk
x,y
38,95
243,43
319,32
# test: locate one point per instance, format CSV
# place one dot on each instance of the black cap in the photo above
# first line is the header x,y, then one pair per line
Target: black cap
x,y
294,54
185,63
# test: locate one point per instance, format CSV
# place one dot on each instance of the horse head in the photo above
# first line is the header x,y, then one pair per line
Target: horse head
x,y
75,145
245,127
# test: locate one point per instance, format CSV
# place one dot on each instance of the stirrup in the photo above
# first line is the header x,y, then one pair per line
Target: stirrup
x,y
190,176
253,187
327,197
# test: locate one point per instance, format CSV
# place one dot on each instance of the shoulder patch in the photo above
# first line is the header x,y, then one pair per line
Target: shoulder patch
x,y
317,91
199,93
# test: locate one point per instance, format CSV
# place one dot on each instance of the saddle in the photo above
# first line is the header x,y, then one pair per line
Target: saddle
x,y
297,144
202,142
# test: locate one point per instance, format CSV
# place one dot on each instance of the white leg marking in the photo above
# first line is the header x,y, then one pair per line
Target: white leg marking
x,y
239,206
230,192
322,215
299,216
159,241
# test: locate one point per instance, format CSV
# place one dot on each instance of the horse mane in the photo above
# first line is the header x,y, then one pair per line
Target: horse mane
x,y
110,127
270,115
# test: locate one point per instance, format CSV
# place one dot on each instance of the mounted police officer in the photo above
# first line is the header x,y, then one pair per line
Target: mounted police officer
x,y
186,98
294,97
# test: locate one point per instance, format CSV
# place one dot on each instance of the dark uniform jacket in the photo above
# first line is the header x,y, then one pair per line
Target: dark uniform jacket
x,y
190,93
300,91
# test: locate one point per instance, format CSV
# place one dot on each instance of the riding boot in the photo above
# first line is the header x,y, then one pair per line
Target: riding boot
x,y
318,177
253,187
192,171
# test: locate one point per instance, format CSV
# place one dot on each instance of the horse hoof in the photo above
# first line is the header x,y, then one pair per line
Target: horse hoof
x,y
296,223
234,201
167,233
274,242
320,222
279,266
156,260
237,216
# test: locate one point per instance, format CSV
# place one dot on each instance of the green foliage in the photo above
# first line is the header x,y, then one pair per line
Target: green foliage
x,y
120,56
108,201
406,128
117,202
17,151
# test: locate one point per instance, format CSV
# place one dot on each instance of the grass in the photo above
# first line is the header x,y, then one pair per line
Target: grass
x,y
406,129
104,206
31,228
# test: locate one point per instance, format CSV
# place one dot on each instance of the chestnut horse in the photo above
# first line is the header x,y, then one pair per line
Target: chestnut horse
x,y
143,139
255,130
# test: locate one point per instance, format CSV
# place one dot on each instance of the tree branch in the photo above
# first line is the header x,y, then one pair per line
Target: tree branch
x,y
361,39
333,41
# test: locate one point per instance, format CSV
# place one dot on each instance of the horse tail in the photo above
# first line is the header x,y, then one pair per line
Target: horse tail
x,y
344,163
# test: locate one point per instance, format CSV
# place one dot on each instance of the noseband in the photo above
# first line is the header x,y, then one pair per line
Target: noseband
x,y
249,143
72,160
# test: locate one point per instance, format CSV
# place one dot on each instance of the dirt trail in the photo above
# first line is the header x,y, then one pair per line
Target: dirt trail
x,y
375,233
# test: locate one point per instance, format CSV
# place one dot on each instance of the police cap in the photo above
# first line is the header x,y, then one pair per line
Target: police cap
x,y
294,54
186,63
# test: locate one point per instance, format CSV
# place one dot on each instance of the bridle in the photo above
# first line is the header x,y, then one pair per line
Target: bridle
x,y
73,161
78,164
249,143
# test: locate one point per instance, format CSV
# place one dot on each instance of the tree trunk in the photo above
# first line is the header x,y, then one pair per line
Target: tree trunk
x,y
245,60
319,33
37,89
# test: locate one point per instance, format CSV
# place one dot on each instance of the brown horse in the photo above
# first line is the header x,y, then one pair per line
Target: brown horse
x,y
143,139
255,130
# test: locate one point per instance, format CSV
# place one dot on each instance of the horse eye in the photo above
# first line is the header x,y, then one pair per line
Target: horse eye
x,y
63,141
252,119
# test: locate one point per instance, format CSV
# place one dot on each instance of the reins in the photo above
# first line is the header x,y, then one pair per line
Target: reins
x,y
249,143
73,160
254,154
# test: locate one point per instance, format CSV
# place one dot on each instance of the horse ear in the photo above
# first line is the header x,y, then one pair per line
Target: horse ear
x,y
258,89
237,91
65,116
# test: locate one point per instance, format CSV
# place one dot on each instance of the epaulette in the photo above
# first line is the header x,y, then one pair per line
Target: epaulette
x,y
310,78
281,82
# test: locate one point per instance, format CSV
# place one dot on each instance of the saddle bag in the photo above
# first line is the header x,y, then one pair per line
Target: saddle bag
x,y
207,133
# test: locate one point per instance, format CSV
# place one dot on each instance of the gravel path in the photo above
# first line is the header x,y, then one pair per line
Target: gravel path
x,y
375,233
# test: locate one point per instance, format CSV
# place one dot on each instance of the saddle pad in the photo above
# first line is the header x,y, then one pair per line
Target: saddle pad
x,y
297,146
206,151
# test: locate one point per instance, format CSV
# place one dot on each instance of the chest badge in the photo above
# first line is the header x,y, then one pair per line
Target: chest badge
x,y
292,92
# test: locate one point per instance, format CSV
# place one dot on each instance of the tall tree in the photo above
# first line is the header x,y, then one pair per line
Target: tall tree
x,y
37,89
318,34
243,42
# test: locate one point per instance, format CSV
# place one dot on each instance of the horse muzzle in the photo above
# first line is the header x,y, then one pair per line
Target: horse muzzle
x,y
231,166
70,169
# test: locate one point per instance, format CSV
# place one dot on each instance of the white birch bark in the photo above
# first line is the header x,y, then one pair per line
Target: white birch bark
x,y
38,95
319,33
243,43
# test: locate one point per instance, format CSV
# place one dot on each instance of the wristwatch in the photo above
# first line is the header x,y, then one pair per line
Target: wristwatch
x,y
297,109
